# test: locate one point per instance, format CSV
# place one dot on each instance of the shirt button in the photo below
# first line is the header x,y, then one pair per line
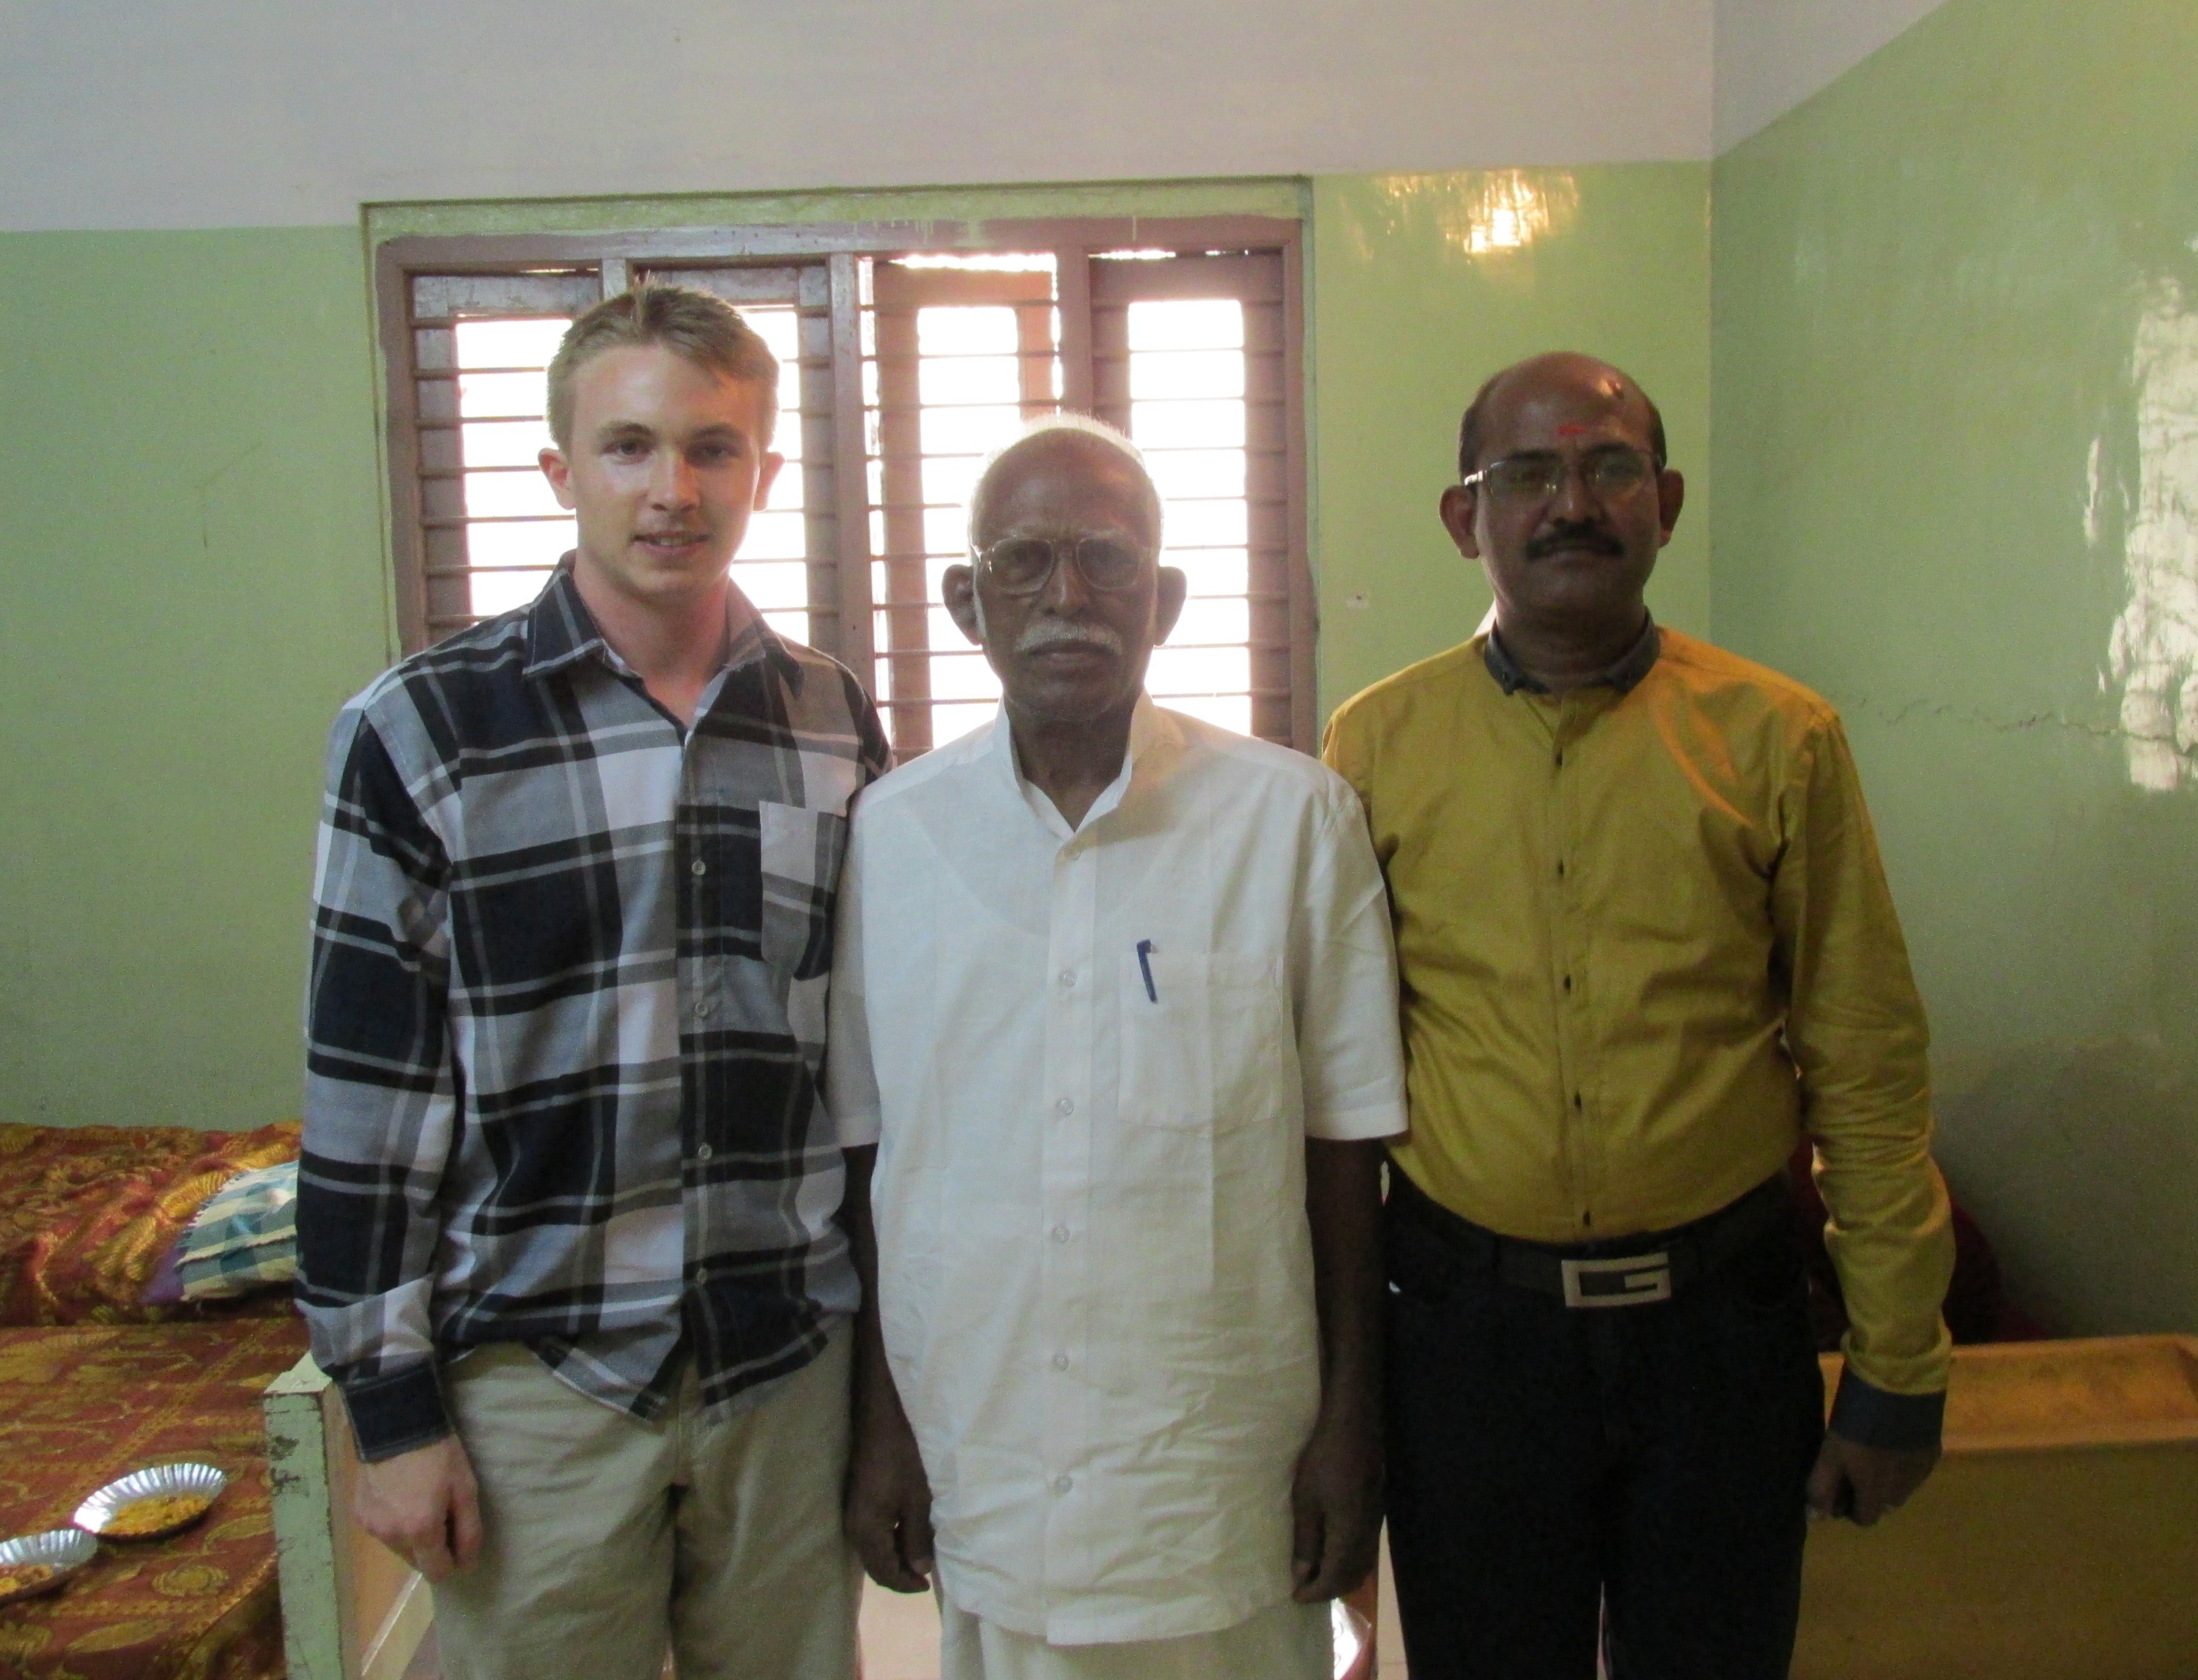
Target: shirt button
x,y
702,1006
701,1276
1060,1362
702,1153
1576,1099
1065,1107
1062,1484
1568,982
1068,977
1561,761
1060,1233
698,867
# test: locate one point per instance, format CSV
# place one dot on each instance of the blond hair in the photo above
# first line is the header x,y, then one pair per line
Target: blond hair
x,y
705,329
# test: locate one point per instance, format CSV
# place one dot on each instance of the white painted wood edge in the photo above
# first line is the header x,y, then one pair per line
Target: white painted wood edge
x,y
305,1536
303,1378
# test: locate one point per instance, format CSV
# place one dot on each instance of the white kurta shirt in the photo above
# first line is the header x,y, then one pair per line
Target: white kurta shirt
x,y
1091,1060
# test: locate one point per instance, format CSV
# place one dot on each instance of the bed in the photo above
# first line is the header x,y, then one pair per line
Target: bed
x,y
94,1382
85,1403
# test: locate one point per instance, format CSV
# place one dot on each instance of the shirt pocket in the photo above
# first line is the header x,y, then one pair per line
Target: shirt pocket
x,y
1201,1043
799,852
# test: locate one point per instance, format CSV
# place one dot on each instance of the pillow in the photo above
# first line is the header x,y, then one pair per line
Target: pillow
x,y
244,1239
86,1213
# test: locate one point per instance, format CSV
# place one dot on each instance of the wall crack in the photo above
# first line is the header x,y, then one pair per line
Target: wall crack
x,y
1893,713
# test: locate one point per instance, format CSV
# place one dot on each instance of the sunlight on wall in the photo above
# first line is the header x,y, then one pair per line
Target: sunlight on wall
x,y
1479,212
2154,655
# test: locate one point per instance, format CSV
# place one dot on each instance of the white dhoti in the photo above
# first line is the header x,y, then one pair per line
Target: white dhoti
x,y
1290,1642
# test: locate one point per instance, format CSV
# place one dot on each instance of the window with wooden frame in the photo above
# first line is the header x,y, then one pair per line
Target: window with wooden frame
x,y
907,354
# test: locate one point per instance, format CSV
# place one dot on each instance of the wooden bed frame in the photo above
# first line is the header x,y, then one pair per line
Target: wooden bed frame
x,y
351,1610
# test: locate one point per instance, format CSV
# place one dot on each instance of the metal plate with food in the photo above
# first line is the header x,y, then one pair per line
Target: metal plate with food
x,y
39,1563
147,1504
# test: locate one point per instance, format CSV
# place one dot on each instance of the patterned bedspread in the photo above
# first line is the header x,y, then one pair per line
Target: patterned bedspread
x,y
81,1405
88,1212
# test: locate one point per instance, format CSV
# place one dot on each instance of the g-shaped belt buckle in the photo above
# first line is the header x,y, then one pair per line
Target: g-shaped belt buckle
x,y
1639,1279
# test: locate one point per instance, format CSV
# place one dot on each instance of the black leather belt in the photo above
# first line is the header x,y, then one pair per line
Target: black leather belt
x,y
1636,1271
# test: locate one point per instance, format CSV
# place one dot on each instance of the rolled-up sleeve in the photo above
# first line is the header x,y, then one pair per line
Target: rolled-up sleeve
x,y
1856,1028
380,1096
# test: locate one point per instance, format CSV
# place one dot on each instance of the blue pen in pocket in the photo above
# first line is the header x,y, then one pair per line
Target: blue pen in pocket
x,y
1145,949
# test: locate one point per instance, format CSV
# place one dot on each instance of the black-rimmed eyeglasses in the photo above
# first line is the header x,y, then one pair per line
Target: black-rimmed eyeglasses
x,y
1025,565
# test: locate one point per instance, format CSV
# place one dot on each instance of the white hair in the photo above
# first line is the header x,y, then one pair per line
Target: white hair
x,y
1067,420
1063,421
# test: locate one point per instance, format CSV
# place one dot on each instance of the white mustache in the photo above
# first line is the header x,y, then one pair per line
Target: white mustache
x,y
1040,634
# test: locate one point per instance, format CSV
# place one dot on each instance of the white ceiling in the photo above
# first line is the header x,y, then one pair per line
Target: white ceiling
x,y
1771,54
169,113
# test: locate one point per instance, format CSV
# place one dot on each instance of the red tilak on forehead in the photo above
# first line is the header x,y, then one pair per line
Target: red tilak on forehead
x,y
1572,431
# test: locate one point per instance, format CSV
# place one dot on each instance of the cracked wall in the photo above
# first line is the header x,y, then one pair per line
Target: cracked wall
x,y
1955,412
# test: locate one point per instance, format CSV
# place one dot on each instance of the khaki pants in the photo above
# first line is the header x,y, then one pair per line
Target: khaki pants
x,y
607,1539
1289,1642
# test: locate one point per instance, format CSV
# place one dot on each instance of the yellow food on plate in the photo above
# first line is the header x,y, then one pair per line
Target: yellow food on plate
x,y
156,1515
25,1577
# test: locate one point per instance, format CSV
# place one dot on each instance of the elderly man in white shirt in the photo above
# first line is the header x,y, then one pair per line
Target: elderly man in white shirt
x,y
1115,997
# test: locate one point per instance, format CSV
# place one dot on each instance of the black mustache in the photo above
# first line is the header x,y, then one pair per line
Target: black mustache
x,y
1574,535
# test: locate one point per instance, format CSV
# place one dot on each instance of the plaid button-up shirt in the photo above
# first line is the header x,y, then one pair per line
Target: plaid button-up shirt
x,y
566,1020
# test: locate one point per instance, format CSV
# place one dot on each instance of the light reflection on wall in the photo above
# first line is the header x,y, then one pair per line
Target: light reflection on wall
x,y
2154,655
1482,212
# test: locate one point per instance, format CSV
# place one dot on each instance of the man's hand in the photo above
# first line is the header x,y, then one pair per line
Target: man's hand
x,y
1864,1483
888,1516
888,1504
1335,1503
1336,1497
424,1506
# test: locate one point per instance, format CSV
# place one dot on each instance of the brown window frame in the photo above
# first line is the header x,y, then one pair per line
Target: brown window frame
x,y
1091,293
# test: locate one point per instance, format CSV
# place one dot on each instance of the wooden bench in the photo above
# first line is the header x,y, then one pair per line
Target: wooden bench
x,y
2057,1540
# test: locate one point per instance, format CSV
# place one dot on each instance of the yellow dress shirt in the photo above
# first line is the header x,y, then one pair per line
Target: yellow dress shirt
x,y
1645,941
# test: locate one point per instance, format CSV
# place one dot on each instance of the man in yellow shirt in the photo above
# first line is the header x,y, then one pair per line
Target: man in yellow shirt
x,y
1646,944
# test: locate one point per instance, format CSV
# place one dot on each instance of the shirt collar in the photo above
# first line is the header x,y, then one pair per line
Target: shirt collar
x,y
1625,674
1149,727
561,632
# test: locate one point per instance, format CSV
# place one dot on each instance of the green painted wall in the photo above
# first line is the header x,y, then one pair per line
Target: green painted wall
x,y
193,571
191,581
1408,319
1955,333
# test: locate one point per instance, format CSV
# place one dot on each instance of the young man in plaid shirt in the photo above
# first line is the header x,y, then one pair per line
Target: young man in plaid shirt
x,y
567,1212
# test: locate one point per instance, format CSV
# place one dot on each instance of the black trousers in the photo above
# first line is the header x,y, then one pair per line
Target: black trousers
x,y
1546,1460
